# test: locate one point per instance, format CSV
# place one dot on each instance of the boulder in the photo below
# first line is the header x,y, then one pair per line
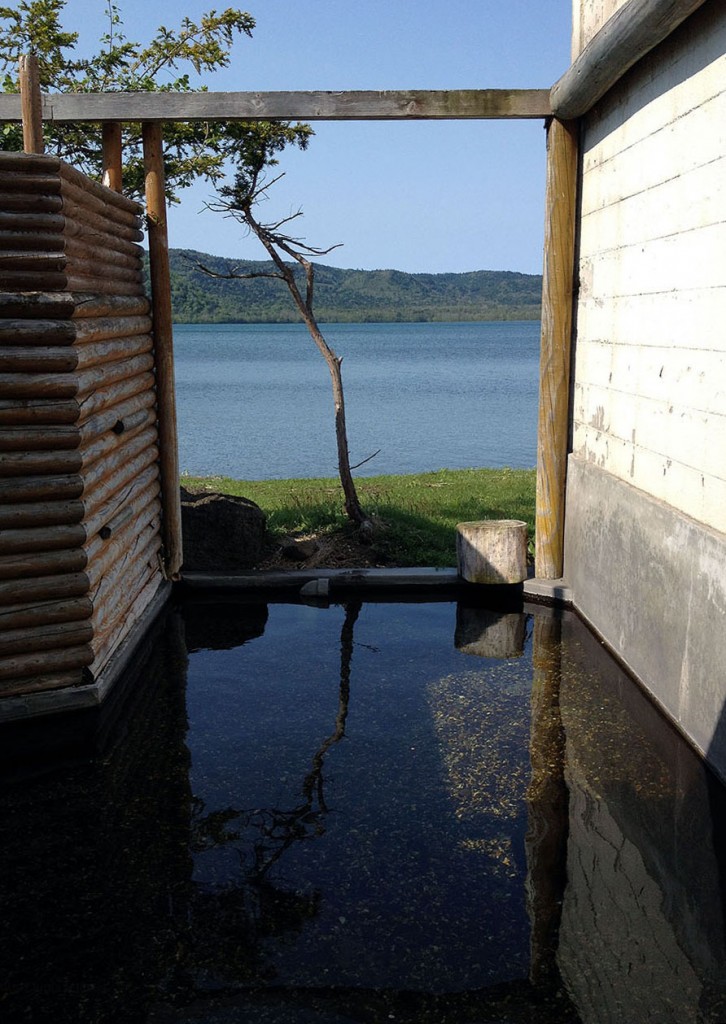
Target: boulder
x,y
221,532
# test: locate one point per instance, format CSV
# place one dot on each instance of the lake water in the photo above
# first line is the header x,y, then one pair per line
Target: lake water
x,y
254,401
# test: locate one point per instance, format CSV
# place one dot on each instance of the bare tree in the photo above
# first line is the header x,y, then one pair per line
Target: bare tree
x,y
239,202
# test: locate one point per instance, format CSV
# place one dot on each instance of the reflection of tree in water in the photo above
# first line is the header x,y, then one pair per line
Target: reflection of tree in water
x,y
274,829
222,934
226,926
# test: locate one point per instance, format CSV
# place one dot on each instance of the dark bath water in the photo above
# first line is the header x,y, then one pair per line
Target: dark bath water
x,y
366,813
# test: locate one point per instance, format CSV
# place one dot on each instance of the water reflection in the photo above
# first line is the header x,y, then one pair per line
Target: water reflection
x,y
364,824
253,909
547,803
642,931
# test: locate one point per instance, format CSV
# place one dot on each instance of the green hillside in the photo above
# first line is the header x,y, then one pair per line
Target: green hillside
x,y
349,296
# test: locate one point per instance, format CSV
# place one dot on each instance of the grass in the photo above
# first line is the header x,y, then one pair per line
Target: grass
x,y
417,513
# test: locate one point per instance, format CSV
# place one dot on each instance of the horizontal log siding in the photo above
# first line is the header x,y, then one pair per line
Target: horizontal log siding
x,y
97,232
79,481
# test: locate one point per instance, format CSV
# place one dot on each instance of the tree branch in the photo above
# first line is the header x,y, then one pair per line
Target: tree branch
x,y
232,275
237,201
368,459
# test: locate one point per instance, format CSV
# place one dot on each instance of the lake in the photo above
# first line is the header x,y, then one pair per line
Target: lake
x,y
254,400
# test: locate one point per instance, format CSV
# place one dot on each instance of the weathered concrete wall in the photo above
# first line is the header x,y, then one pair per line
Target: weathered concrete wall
x,y
650,374
588,17
645,540
652,582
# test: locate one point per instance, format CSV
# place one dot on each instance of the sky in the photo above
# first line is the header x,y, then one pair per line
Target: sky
x,y
445,196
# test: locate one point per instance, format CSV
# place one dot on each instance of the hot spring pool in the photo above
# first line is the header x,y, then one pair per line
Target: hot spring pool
x,y
426,813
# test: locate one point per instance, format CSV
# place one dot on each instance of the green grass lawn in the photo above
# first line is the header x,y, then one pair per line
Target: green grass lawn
x,y
417,513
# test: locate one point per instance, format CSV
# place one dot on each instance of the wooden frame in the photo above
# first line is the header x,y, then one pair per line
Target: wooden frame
x,y
555,349
403,104
633,31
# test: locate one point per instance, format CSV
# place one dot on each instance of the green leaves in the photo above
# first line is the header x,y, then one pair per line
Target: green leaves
x,y
33,26
165,64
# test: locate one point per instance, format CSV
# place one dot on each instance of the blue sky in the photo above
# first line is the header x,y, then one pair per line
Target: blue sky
x,y
415,196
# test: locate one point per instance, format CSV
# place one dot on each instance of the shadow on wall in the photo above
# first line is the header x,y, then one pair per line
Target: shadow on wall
x,y
643,909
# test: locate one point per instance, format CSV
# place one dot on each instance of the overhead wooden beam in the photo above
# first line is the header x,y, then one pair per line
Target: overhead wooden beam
x,y
391,105
30,103
555,349
163,347
633,31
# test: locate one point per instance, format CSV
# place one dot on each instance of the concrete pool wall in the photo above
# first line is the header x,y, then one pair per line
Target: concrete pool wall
x,y
645,526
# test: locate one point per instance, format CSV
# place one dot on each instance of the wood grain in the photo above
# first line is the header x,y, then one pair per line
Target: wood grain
x,y
633,31
555,351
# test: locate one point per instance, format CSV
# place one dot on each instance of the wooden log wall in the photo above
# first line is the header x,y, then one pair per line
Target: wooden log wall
x,y
80,504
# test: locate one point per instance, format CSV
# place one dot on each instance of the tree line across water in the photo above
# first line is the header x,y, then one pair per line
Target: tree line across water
x,y
348,296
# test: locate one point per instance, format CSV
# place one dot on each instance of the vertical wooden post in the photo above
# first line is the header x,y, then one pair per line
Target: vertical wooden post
x,y
112,156
163,345
555,353
31,105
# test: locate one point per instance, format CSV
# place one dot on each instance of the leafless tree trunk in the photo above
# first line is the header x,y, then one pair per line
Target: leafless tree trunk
x,y
238,202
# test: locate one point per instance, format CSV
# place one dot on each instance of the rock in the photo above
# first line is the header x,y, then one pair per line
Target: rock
x,y
298,550
221,532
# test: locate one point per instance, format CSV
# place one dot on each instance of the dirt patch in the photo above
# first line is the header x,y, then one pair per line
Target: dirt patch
x,y
334,551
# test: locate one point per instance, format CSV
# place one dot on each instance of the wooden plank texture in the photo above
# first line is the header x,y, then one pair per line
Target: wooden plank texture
x,y
112,157
163,345
557,303
362,105
31,103
43,613
633,31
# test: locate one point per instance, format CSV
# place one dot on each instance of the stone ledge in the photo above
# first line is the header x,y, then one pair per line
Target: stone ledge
x,y
340,579
402,580
549,591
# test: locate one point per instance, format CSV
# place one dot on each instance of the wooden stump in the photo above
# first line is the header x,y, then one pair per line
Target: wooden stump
x,y
492,551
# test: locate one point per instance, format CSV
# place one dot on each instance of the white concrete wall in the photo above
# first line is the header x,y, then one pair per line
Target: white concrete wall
x,y
645,524
588,17
650,365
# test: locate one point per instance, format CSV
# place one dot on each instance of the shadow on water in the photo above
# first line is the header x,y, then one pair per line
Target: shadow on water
x,y
715,999
130,892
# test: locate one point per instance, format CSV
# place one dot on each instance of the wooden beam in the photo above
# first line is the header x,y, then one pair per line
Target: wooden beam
x,y
557,303
163,346
390,105
112,156
31,104
633,31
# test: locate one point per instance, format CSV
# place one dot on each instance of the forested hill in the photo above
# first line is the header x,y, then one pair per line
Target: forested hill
x,y
347,296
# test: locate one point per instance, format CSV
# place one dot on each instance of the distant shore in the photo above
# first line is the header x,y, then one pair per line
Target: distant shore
x,y
348,296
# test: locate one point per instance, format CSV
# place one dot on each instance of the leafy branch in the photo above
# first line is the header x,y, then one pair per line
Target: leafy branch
x,y
165,64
